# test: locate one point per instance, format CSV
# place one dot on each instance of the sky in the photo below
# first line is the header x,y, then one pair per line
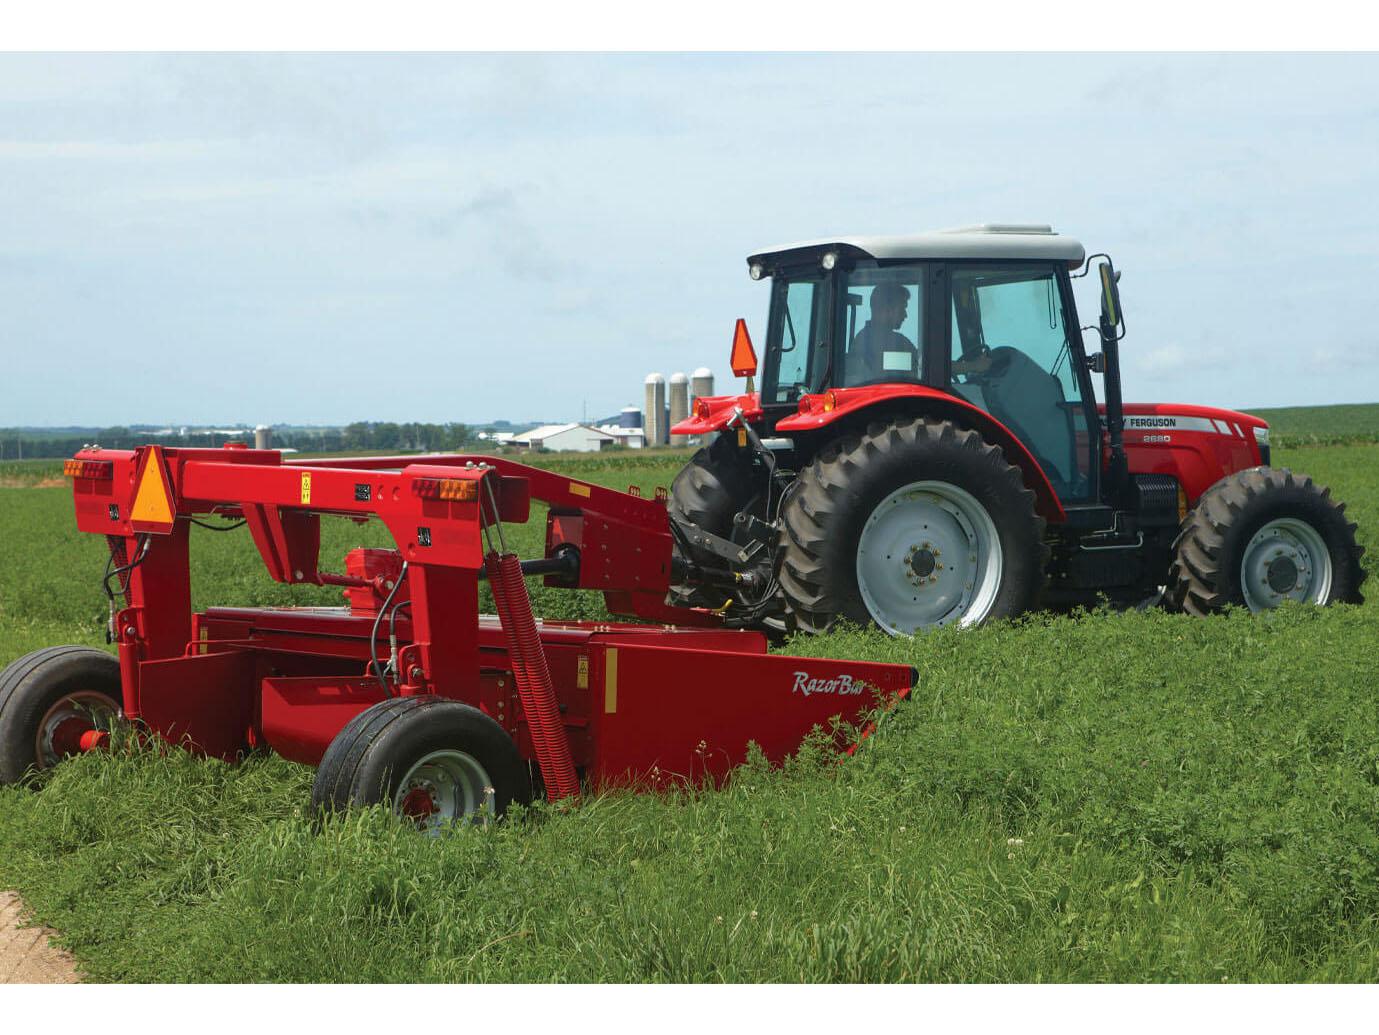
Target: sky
x,y
205,239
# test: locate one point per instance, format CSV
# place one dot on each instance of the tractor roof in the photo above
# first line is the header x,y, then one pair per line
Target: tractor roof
x,y
987,241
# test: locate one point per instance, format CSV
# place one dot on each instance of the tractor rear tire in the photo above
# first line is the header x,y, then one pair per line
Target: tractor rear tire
x,y
48,698
867,523
434,760
1261,536
708,493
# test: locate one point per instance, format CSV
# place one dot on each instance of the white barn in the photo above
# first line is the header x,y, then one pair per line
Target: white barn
x,y
579,438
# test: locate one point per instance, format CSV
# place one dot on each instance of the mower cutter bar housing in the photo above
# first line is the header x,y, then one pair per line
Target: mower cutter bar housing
x,y
675,696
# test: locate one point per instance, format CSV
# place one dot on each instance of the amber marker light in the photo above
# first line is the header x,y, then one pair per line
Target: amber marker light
x,y
88,468
446,489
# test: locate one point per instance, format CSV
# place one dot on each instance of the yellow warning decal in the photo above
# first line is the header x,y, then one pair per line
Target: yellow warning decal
x,y
576,489
153,500
306,488
610,680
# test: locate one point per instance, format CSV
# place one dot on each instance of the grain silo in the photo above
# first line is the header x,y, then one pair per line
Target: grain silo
x,y
655,410
630,417
701,384
263,437
679,405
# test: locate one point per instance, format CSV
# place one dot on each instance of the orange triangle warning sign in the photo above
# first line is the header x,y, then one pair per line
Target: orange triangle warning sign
x,y
153,510
744,358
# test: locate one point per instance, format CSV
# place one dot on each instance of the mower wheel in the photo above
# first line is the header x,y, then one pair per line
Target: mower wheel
x,y
916,523
710,490
1262,536
48,699
436,761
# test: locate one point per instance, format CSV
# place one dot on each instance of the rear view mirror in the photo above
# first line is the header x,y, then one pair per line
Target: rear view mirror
x,y
1111,316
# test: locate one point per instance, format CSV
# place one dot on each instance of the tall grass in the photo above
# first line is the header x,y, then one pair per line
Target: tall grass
x,y
1102,797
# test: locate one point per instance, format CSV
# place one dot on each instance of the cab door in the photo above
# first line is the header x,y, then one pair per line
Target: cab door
x,y
1011,354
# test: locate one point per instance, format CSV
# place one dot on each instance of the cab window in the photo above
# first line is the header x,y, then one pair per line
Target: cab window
x,y
1012,357
794,339
883,314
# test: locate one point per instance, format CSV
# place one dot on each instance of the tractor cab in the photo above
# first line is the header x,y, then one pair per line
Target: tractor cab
x,y
983,314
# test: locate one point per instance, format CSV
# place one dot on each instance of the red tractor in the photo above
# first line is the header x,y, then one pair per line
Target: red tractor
x,y
927,449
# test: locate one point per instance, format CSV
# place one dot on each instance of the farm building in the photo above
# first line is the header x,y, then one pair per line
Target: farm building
x,y
632,438
577,437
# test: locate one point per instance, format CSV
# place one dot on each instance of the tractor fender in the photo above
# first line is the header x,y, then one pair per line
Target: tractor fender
x,y
713,412
848,405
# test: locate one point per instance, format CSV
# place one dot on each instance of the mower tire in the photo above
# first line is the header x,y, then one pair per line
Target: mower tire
x,y
710,490
434,760
1262,536
48,699
916,523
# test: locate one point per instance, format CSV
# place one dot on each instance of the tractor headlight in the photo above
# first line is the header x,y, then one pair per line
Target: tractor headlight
x,y
1262,436
829,260
755,271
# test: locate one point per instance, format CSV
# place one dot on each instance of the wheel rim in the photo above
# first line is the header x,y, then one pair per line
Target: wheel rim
x,y
445,787
1287,559
928,555
60,729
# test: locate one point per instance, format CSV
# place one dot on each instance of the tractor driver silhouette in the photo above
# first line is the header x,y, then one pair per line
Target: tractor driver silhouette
x,y
879,351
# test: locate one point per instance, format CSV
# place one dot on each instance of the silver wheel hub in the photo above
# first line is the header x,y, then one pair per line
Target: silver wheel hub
x,y
445,787
1287,559
928,555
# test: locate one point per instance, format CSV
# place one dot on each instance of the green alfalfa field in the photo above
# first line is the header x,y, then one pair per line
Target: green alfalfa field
x,y
1096,797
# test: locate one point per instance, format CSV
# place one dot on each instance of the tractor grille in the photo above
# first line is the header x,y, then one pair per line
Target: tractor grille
x,y
1156,499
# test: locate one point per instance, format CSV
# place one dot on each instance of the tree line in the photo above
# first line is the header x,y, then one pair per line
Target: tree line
x,y
16,444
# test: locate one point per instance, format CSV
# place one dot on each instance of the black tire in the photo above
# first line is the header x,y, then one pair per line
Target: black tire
x,y
1212,547
33,687
825,514
368,761
710,490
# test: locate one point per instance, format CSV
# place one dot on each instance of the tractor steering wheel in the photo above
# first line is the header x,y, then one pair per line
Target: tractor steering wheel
x,y
976,355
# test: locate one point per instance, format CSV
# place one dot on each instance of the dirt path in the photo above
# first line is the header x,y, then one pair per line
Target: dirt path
x,y
26,958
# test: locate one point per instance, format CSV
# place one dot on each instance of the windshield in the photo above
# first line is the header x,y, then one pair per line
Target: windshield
x,y
882,317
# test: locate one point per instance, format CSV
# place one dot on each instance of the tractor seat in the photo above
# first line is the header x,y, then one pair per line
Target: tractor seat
x,y
1029,400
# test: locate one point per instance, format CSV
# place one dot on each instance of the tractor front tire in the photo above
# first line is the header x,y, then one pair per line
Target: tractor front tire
x,y
48,699
913,524
433,760
1262,536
